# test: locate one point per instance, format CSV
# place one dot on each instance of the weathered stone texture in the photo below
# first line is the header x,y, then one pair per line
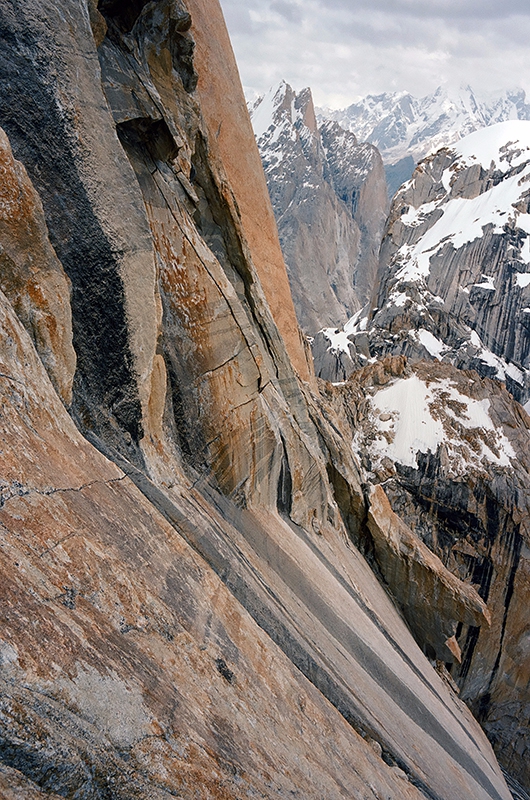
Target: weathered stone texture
x,y
31,275
183,610
123,650
415,573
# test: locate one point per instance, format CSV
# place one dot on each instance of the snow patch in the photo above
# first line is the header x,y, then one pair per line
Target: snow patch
x,y
522,279
435,347
411,417
338,339
397,299
502,368
488,282
415,216
357,323
505,145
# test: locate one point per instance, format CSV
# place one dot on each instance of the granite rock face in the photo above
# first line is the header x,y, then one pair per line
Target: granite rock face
x,y
328,193
453,281
31,275
456,249
184,610
451,450
413,572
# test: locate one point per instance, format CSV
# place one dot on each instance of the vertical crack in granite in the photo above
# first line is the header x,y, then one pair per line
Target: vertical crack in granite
x,y
513,546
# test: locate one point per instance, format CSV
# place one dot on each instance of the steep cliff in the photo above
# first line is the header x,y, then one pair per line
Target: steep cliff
x,y
453,282
184,612
451,451
328,193
457,254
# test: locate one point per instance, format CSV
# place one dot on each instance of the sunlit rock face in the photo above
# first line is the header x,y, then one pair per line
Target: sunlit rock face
x,y
184,609
32,276
328,193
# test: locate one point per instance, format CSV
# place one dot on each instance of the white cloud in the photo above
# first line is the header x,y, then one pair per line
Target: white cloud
x,y
347,48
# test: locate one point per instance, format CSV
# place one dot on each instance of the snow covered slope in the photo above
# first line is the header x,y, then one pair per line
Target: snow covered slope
x,y
329,197
405,128
455,262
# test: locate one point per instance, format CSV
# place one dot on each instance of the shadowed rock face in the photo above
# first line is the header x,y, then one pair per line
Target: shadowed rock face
x,y
451,451
328,192
183,609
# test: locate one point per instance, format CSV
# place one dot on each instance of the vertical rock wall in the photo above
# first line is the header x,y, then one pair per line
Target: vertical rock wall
x,y
328,193
183,612
226,117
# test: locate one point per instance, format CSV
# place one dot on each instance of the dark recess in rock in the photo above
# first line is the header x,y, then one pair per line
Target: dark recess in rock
x,y
105,397
353,516
215,223
123,12
169,18
224,670
148,137
285,486
146,142
182,47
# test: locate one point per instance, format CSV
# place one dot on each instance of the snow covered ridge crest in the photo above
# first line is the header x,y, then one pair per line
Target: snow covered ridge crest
x,y
279,116
414,412
487,183
455,263
402,125
413,416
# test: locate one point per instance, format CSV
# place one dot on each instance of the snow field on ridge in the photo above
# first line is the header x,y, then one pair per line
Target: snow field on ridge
x,y
410,417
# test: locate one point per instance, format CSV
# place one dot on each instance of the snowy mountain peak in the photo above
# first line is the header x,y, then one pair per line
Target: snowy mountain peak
x,y
282,107
265,108
404,127
455,263
328,193
505,145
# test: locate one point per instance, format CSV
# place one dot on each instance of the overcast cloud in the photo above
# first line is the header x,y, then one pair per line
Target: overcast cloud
x,y
347,48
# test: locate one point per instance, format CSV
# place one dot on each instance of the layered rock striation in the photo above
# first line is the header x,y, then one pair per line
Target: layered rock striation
x,y
451,451
184,610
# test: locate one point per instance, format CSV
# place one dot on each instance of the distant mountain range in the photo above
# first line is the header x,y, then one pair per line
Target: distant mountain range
x,y
405,128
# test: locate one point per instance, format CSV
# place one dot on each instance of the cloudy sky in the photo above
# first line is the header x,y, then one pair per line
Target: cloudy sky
x,y
347,48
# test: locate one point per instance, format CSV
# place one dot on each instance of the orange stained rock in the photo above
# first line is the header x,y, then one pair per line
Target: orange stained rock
x,y
230,131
